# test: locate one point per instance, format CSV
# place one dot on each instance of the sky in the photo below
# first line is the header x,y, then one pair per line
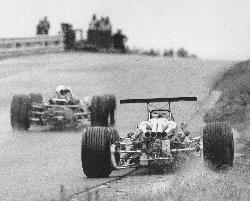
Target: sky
x,y
212,29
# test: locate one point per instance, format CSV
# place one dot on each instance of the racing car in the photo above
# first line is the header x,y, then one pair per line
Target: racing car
x,y
61,111
157,140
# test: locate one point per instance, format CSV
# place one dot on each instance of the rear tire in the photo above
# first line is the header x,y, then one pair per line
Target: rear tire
x,y
218,145
99,111
98,159
19,112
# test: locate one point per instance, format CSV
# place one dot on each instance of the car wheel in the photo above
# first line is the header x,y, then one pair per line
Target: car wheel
x,y
19,112
98,152
218,145
99,111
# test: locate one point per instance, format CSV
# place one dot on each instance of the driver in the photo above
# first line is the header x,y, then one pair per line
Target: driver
x,y
63,92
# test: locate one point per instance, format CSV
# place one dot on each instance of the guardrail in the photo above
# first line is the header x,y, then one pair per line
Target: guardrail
x,y
43,43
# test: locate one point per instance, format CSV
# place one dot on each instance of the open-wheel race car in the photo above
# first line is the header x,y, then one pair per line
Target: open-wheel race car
x,y
61,111
158,140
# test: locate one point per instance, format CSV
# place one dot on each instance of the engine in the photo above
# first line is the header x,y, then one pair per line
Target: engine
x,y
154,138
154,145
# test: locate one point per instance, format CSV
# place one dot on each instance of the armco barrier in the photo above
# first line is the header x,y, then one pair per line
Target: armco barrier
x,y
39,44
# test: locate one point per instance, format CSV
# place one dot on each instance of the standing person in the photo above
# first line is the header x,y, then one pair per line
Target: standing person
x,y
108,32
93,23
43,26
68,36
102,24
108,26
118,41
39,28
46,25
92,31
100,34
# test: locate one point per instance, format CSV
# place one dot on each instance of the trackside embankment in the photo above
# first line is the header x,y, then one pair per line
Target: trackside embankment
x,y
233,106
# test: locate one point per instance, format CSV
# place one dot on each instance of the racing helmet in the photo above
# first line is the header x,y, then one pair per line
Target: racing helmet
x,y
62,90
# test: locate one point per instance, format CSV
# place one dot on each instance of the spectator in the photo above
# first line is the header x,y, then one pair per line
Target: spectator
x,y
43,27
39,28
118,41
68,36
182,53
102,24
46,25
93,23
107,26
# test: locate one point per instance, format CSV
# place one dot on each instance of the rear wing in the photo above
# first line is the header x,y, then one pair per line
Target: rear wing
x,y
157,100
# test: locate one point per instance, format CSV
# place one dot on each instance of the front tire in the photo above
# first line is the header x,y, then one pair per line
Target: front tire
x,y
218,145
19,112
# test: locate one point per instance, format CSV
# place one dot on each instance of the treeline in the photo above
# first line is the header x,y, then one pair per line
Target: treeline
x,y
181,52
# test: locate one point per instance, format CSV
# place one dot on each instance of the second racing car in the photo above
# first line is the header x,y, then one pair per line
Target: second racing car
x,y
61,111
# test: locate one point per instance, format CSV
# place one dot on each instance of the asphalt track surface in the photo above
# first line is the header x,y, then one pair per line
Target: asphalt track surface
x,y
34,164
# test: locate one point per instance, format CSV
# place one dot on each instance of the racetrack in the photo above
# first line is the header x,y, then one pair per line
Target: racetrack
x,y
34,164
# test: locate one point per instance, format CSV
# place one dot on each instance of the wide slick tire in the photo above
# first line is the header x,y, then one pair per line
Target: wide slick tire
x,y
99,111
103,110
97,157
19,112
218,145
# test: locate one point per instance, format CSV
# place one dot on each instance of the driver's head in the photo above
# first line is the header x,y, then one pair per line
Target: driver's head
x,y
65,92
62,90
